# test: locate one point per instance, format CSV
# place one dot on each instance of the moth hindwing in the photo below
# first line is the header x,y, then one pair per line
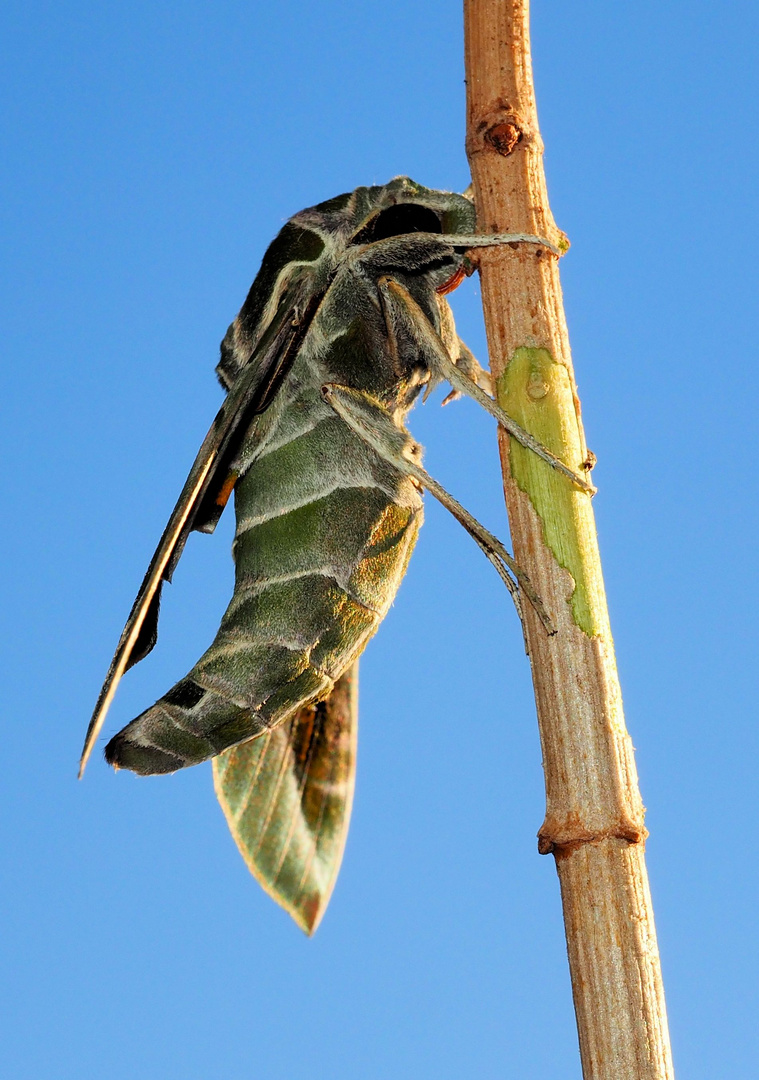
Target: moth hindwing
x,y
325,526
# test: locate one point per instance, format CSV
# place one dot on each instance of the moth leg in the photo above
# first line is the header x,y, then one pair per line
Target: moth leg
x,y
373,424
402,307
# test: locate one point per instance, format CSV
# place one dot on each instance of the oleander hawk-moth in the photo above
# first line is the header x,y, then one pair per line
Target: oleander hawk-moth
x,y
344,325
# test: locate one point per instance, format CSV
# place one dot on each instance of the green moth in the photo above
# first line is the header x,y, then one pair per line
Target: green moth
x,y
346,323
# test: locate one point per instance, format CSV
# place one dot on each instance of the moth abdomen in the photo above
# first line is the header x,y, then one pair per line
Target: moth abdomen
x,y
297,620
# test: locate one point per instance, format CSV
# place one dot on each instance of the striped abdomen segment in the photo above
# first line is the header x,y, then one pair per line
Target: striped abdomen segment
x,y
324,534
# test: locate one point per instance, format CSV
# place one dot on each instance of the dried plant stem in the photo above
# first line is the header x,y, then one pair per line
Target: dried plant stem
x,y
594,815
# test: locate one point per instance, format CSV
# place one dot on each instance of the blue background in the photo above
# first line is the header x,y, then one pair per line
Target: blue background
x,y
150,152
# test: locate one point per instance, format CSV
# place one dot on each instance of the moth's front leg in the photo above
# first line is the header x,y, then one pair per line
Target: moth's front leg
x,y
402,311
410,257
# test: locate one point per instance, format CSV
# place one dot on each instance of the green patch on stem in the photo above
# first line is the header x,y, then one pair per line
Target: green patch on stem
x,y
535,391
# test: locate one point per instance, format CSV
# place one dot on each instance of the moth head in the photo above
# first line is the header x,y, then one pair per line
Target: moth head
x,y
394,209
403,206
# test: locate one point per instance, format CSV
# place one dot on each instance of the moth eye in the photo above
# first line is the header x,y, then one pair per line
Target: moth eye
x,y
397,221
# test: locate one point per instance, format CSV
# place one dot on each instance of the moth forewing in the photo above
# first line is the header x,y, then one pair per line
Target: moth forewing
x,y
287,798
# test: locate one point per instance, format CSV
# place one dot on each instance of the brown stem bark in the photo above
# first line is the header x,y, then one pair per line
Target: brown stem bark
x,y
594,815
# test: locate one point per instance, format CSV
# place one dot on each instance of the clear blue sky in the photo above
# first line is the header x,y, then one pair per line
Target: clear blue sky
x,y
150,151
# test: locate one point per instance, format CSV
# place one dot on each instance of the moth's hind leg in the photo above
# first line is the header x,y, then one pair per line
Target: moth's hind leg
x,y
402,310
